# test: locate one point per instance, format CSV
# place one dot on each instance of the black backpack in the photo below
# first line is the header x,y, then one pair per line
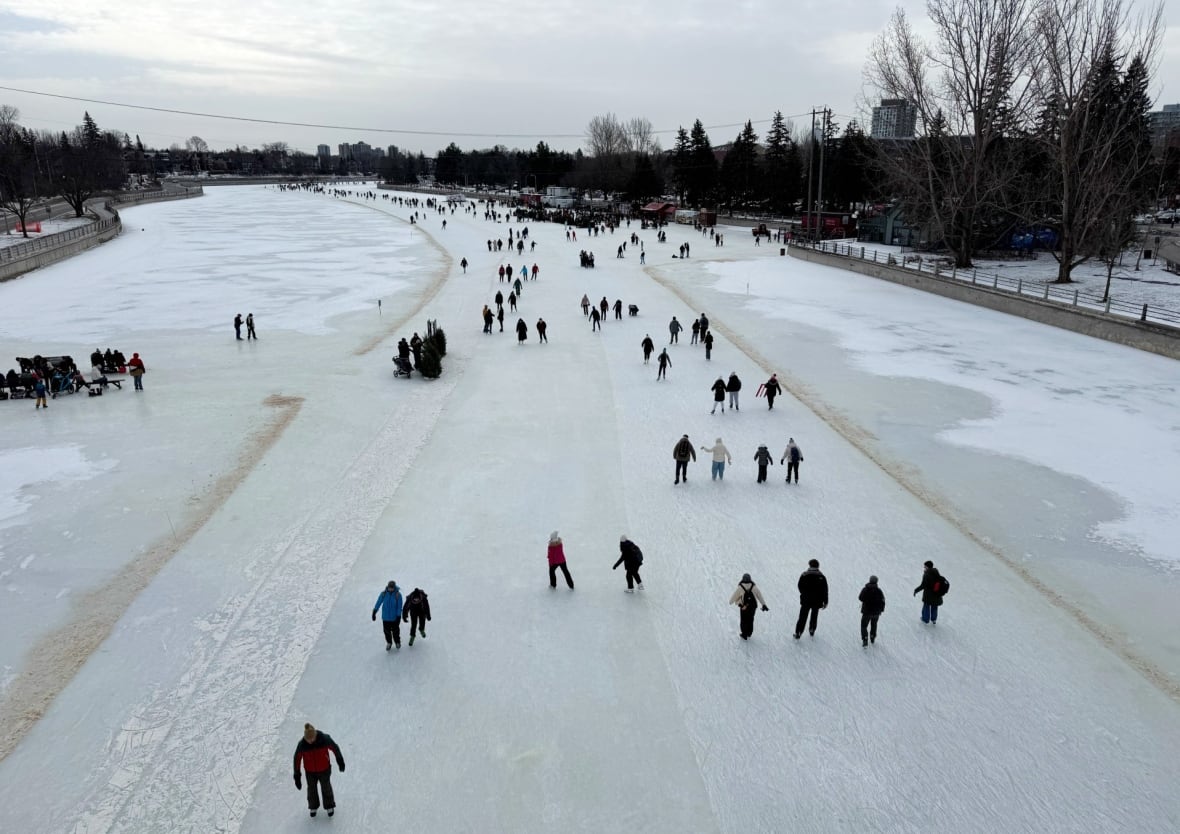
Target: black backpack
x,y
748,599
940,586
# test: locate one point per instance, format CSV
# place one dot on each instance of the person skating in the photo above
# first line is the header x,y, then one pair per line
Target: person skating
x,y
542,329
618,308
595,319
696,332
708,340
682,452
312,753
416,612
674,328
704,320
648,346
250,334
463,263
512,302
522,331
663,361
733,386
390,603
500,318
631,558
516,285
772,389
813,595
872,606
586,305
792,456
499,299
557,560
39,390
603,307
764,459
721,457
238,326
488,319
933,587
748,598
136,368
718,388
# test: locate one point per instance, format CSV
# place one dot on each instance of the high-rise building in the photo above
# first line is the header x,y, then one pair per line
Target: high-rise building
x,y
895,118
1164,122
345,150
323,150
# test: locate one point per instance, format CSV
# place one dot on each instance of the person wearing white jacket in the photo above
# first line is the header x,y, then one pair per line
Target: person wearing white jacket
x,y
747,598
721,457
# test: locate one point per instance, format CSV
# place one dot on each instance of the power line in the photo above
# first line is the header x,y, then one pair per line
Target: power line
x,y
405,131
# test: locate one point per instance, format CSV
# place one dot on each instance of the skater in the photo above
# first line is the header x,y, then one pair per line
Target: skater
x,y
772,389
250,334
463,263
595,319
872,606
137,370
682,452
312,753
39,389
648,346
933,587
674,329
557,560
488,318
793,457
390,603
619,309
500,318
542,327
416,612
603,307
631,558
764,459
718,388
586,306
516,286
813,595
663,361
499,300
238,326
747,598
501,273
696,332
522,331
721,457
733,386
536,270
708,340
512,301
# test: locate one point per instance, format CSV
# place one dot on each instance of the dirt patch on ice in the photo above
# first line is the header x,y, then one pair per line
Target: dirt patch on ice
x,y
56,658
910,479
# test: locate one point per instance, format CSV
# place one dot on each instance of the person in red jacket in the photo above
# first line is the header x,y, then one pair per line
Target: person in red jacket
x,y
557,561
312,753
137,370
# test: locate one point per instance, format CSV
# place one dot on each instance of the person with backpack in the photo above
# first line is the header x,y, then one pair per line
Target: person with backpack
x,y
390,603
557,560
772,389
813,595
648,346
872,606
792,456
682,452
733,386
416,612
764,459
631,558
718,388
312,753
708,341
721,456
747,597
934,587
663,361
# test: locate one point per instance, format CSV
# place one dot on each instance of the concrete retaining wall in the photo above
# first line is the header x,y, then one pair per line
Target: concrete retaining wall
x,y
1142,335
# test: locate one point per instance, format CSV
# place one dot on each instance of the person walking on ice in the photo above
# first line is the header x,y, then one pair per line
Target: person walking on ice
x,y
748,598
522,331
663,361
682,452
674,328
771,389
416,612
557,561
390,603
586,305
733,386
872,606
718,388
721,457
250,334
708,343
813,595
792,456
933,587
312,753
764,459
631,558
648,346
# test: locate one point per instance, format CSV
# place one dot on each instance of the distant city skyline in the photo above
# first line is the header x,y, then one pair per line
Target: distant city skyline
x,y
517,72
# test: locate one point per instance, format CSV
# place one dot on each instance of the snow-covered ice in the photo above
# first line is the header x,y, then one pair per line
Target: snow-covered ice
x,y
262,493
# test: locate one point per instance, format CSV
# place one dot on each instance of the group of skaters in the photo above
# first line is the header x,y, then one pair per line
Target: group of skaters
x,y
249,322
598,313
515,291
683,453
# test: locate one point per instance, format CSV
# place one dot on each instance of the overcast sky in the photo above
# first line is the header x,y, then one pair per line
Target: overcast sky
x,y
516,71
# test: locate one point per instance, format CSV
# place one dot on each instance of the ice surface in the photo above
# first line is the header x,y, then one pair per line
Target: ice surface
x,y
288,479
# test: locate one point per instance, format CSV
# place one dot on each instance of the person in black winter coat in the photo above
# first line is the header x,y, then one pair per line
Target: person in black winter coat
x,y
416,612
682,452
630,557
708,340
595,319
664,361
312,753
772,389
733,386
522,331
416,349
648,346
763,458
872,605
933,587
813,595
718,395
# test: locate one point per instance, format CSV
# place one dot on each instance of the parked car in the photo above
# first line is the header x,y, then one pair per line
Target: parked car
x,y
1167,216
1144,219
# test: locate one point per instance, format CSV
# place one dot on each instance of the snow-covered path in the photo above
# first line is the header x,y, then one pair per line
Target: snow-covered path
x,y
528,709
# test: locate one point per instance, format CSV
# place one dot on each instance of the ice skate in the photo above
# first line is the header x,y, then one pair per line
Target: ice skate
x,y
629,591
411,638
388,646
641,586
331,811
312,813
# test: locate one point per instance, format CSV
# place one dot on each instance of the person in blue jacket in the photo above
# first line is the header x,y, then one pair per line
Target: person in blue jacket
x,y
390,603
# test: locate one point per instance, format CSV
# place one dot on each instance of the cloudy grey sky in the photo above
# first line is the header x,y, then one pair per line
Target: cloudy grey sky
x,y
516,70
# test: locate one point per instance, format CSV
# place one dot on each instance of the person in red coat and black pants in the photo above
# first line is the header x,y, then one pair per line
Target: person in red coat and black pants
x,y
312,753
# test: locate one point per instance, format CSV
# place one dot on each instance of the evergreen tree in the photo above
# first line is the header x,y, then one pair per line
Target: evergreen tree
x,y
702,179
681,163
740,170
430,365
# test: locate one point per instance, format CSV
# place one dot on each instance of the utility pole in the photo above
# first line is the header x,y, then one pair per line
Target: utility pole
x,y
823,140
810,168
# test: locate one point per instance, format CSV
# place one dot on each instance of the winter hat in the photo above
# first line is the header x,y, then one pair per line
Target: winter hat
x,y
813,563
872,580
391,585
717,441
746,578
928,563
553,537
309,733
623,538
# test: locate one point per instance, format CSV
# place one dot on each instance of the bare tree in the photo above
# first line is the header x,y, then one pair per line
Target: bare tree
x,y
20,182
971,85
641,136
606,136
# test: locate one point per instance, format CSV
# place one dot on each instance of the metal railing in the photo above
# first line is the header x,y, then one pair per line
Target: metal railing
x,y
943,269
